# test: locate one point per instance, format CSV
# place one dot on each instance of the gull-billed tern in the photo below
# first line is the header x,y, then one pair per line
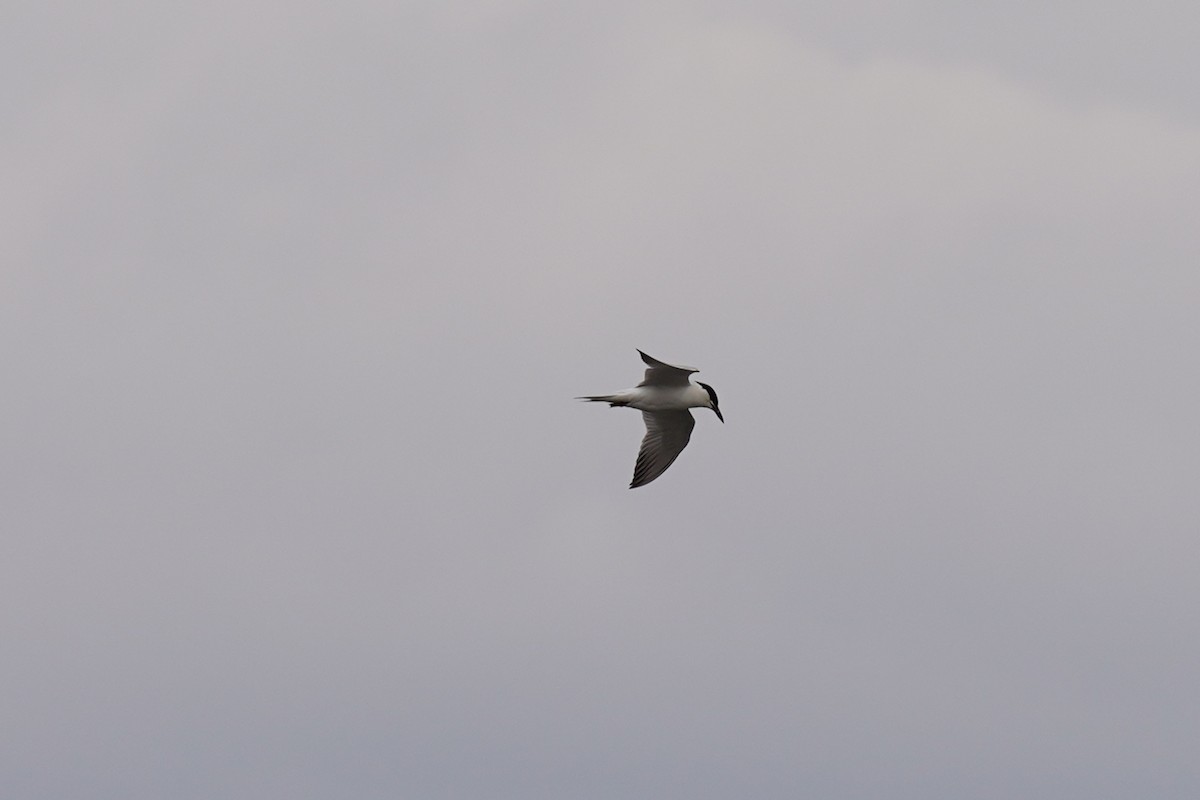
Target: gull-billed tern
x,y
664,398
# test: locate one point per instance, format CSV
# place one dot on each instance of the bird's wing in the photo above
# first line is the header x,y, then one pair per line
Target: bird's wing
x,y
667,433
659,373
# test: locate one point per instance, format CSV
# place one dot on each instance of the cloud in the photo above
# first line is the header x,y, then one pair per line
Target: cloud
x,y
301,501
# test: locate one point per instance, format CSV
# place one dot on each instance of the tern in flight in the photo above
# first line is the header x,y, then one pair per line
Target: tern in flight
x,y
664,398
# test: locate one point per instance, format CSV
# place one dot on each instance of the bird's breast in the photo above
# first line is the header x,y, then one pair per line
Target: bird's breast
x,y
673,398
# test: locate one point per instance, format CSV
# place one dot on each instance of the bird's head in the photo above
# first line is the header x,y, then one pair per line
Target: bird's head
x,y
712,400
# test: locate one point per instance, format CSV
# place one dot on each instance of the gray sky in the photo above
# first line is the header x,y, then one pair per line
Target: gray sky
x,y
296,502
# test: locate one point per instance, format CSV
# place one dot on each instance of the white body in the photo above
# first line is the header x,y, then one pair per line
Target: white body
x,y
664,398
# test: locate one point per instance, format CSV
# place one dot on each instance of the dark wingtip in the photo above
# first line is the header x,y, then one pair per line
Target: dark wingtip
x,y
639,476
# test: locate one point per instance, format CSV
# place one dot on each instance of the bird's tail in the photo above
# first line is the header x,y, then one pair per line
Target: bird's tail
x,y
613,400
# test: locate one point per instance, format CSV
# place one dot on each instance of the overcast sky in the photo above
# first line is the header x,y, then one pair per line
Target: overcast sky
x,y
295,500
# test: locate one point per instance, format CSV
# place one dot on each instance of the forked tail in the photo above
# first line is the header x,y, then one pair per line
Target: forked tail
x,y
612,399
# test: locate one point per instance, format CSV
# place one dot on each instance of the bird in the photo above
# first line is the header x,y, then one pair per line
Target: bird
x,y
663,397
